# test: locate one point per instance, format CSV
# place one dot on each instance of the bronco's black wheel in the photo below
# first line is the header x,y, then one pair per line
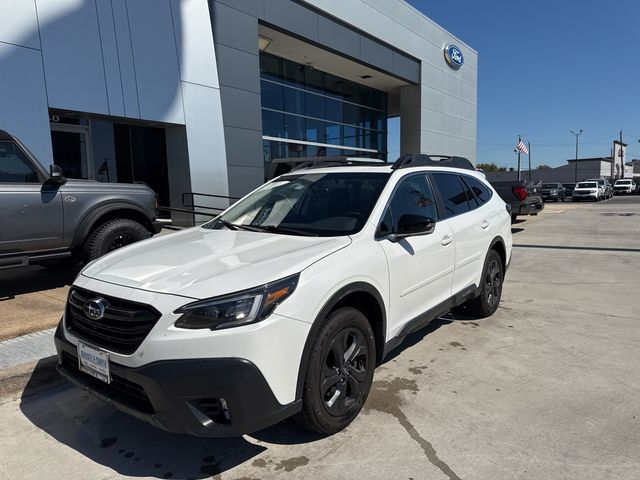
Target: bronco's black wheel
x,y
112,235
487,302
339,374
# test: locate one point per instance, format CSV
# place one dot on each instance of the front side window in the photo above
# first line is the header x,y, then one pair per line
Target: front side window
x,y
413,196
453,194
308,204
14,166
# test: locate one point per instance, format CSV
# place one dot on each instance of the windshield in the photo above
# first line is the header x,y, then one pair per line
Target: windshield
x,y
587,185
549,185
623,182
310,204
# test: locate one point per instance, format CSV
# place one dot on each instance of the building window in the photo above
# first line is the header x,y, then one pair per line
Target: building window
x,y
318,114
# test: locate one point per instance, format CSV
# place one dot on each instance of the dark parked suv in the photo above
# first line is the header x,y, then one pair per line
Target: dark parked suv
x,y
48,219
568,189
553,191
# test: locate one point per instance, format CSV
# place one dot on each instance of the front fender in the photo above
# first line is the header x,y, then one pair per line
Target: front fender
x,y
98,211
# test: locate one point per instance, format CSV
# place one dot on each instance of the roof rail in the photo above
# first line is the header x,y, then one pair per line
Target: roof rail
x,y
424,160
337,162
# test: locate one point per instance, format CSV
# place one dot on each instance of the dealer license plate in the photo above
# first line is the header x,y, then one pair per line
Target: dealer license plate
x,y
94,361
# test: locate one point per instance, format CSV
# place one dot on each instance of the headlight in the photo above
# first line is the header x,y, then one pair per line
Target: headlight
x,y
553,192
236,309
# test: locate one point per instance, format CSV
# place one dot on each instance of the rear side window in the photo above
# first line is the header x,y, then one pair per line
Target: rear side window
x,y
453,193
482,193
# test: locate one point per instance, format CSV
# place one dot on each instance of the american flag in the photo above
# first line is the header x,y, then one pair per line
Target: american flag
x,y
523,148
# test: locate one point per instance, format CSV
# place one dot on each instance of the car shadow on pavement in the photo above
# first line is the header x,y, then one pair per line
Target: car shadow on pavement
x,y
417,336
287,432
458,314
34,278
128,446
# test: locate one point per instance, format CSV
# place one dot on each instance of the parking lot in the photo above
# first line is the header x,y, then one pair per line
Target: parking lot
x,y
547,387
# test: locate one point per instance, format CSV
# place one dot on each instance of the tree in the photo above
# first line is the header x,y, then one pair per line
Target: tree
x,y
543,167
490,167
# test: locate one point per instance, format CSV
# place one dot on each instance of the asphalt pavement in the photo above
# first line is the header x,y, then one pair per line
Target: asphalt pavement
x,y
546,388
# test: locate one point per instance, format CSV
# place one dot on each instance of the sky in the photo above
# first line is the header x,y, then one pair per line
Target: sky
x,y
545,68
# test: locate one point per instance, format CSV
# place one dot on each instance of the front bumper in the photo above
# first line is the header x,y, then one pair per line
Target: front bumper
x,y
183,396
584,196
157,227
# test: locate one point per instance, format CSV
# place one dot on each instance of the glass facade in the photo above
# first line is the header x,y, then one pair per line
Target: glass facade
x,y
318,114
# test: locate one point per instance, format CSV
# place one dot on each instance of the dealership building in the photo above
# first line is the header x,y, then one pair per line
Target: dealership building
x,y
198,97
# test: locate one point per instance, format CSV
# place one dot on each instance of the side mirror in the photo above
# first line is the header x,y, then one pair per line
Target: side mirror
x,y
56,176
410,225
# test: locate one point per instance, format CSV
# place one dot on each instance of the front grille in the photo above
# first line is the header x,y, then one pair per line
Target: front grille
x,y
120,389
123,327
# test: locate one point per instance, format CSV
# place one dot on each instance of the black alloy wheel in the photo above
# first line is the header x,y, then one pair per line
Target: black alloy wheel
x,y
492,287
486,304
344,372
339,372
119,242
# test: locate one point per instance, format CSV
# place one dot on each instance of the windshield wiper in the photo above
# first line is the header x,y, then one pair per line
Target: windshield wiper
x,y
235,226
229,225
284,230
239,226
266,228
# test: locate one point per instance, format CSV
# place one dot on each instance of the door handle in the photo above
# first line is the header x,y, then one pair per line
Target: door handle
x,y
484,225
446,240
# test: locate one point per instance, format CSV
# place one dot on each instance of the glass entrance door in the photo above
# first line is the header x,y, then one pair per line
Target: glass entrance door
x,y
72,150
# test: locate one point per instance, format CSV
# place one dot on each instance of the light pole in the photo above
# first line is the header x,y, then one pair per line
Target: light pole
x,y
575,177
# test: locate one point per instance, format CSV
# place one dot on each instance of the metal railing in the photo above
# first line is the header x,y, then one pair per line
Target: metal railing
x,y
188,200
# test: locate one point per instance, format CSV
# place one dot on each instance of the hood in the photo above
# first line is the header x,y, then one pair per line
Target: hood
x,y
75,185
201,263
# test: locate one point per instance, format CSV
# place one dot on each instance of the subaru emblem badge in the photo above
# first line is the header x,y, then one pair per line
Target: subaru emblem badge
x,y
94,309
453,56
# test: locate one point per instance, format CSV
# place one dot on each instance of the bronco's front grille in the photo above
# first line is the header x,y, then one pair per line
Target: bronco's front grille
x,y
121,329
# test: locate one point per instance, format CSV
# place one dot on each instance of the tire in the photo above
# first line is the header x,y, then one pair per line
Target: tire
x,y
339,374
111,235
486,304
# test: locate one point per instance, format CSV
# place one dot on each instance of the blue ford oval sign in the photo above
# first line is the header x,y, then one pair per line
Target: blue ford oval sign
x,y
453,56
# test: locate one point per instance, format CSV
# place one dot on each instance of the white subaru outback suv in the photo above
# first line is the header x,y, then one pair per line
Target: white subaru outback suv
x,y
284,304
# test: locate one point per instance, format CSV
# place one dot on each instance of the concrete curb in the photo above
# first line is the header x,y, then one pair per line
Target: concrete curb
x,y
30,378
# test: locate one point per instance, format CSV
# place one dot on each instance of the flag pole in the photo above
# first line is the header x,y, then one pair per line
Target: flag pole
x,y
529,154
519,140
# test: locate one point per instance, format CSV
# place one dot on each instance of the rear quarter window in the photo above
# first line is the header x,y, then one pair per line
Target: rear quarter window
x,y
452,192
480,190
